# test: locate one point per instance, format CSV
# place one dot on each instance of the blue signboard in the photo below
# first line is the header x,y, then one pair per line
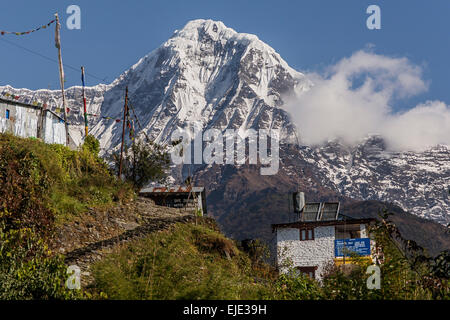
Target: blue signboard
x,y
360,246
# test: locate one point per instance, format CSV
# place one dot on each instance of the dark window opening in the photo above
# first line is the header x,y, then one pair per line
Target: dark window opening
x,y
306,234
7,114
309,271
351,231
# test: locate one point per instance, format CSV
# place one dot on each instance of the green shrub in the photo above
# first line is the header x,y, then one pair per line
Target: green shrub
x,y
143,162
297,286
41,181
28,270
42,184
188,262
92,145
25,184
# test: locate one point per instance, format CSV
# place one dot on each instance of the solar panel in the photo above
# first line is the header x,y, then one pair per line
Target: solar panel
x,y
330,211
311,212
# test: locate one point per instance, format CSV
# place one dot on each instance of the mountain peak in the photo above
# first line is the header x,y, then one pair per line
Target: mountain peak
x,y
199,29
210,74
207,73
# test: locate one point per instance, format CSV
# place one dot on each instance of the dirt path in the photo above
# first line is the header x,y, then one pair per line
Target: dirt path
x,y
87,239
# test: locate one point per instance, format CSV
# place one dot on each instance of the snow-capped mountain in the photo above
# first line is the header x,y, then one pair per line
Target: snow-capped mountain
x,y
205,73
417,182
211,74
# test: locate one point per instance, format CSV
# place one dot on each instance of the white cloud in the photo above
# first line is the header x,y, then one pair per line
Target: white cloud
x,y
425,125
354,98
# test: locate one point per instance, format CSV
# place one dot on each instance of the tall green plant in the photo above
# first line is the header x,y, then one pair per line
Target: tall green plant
x,y
143,162
28,270
406,272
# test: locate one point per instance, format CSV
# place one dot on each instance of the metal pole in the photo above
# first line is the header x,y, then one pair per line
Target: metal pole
x,y
61,75
125,109
84,103
343,249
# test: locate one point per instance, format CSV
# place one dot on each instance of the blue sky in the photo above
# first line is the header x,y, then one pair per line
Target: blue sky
x,y
309,35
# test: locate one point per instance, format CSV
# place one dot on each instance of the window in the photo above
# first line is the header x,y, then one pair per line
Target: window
x,y
7,114
349,231
309,271
306,234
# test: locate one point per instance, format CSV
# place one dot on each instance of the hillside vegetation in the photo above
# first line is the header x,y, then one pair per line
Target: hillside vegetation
x,y
42,186
46,182
45,188
195,261
188,262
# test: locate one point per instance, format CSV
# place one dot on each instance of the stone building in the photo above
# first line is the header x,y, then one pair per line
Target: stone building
x,y
319,237
182,197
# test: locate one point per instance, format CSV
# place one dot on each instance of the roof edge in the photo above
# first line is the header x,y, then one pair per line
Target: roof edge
x,y
300,224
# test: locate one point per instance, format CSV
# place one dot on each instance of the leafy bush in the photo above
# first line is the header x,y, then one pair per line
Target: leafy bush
x,y
41,181
297,286
92,145
348,282
143,162
25,185
43,184
405,273
28,270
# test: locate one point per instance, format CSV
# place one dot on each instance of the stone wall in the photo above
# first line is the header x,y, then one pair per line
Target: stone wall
x,y
291,252
309,253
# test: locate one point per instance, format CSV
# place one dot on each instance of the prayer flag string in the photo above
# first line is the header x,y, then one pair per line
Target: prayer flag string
x,y
3,32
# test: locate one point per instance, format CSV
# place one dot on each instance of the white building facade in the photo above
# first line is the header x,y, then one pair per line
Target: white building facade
x,y
31,121
310,246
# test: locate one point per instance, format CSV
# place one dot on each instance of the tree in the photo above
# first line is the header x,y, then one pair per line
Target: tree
x,y
144,162
91,144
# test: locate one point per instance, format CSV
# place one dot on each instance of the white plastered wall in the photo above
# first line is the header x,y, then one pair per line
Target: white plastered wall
x,y
310,253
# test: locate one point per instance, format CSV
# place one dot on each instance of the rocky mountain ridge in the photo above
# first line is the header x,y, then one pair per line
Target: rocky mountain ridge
x,y
212,75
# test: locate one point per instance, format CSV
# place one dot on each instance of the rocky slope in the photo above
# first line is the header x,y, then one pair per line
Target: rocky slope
x,y
416,182
86,240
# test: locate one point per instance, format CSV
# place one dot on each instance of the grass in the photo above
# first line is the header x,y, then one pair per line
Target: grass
x,y
44,185
66,181
187,262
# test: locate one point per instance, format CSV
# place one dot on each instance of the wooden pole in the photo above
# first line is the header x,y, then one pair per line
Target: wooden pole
x,y
84,103
125,109
61,75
